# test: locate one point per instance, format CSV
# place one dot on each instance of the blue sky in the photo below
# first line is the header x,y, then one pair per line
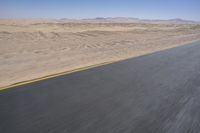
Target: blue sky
x,y
148,9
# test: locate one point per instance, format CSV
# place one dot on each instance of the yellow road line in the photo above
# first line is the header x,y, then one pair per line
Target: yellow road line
x,y
69,72
53,76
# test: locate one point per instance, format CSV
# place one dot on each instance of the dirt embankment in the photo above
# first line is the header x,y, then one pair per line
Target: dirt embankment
x,y
33,50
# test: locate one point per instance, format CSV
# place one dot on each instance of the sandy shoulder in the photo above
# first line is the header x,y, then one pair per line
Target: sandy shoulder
x,y
32,50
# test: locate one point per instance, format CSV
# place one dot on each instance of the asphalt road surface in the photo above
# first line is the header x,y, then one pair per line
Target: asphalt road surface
x,y
157,93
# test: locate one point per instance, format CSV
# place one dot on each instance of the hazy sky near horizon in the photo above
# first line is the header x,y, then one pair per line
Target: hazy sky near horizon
x,y
145,9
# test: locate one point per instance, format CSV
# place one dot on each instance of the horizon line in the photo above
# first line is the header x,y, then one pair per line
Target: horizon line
x,y
70,18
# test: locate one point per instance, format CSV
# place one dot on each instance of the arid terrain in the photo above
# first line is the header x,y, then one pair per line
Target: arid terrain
x,y
29,50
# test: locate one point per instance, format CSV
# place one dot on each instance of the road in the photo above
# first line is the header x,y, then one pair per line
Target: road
x,y
156,93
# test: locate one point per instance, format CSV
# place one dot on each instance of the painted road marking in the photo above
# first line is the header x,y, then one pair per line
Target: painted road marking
x,y
53,76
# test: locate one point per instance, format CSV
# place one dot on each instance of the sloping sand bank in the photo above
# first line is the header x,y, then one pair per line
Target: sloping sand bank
x,y
32,50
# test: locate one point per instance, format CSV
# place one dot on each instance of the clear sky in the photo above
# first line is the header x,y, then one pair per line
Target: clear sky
x,y
148,9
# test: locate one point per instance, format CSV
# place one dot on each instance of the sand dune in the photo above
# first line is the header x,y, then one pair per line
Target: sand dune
x,y
34,49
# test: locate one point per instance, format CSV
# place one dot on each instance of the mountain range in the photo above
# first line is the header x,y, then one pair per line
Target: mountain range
x,y
127,20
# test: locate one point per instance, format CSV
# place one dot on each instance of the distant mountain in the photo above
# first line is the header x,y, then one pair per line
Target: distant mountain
x,y
178,20
127,20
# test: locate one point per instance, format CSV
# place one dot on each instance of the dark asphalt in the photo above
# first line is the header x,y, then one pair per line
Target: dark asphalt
x,y
157,93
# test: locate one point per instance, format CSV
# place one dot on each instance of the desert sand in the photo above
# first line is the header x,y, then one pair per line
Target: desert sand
x,y
29,50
